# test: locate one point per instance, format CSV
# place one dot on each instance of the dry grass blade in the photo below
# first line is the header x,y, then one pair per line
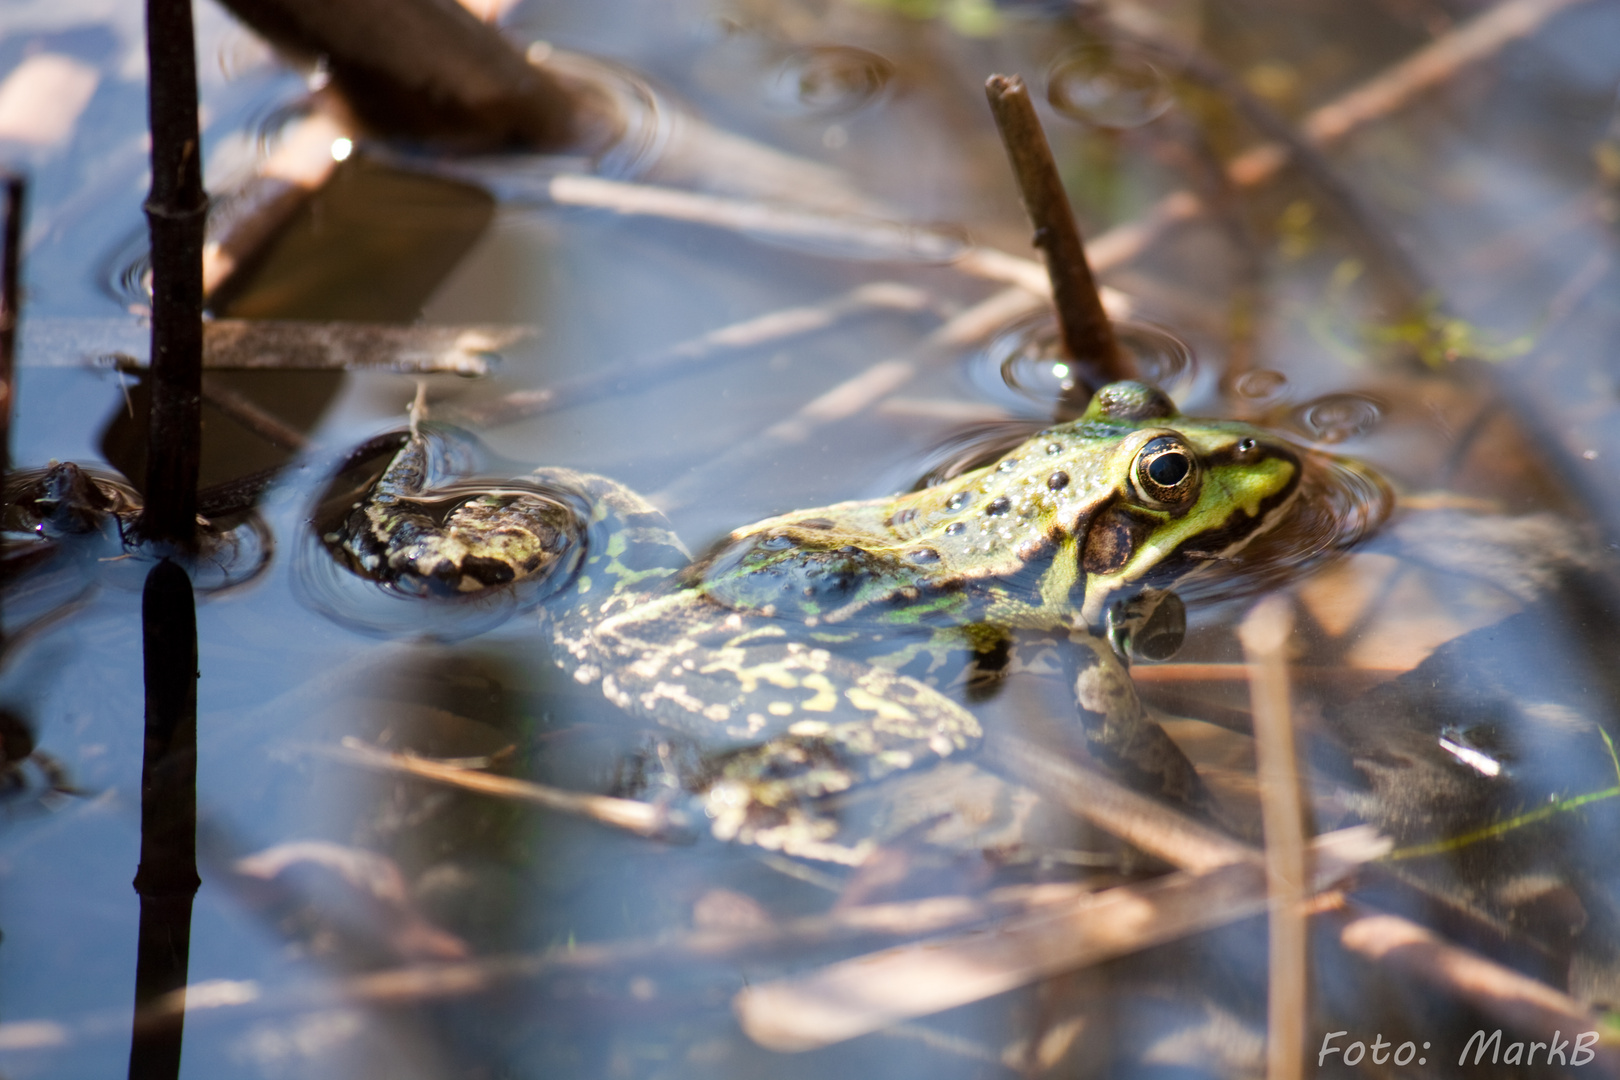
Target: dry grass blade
x,y
849,234
858,392
275,345
245,411
698,354
254,344
1500,992
1391,90
1135,818
861,236
434,982
1265,641
643,819
1349,681
859,996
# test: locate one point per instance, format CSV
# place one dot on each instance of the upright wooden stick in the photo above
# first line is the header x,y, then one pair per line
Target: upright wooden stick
x,y
10,305
176,213
1087,334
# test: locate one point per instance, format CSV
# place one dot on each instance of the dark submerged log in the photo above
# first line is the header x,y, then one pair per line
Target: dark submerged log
x,y
422,69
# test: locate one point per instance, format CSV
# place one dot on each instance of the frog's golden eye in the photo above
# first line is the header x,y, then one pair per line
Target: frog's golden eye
x,y
1166,472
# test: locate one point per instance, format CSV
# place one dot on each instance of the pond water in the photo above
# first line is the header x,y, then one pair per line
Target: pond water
x,y
1490,413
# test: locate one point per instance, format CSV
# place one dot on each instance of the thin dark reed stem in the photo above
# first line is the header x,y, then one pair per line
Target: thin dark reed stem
x,y
176,213
1088,337
10,308
167,879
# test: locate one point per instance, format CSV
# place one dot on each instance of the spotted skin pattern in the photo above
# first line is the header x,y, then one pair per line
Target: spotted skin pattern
x,y
818,650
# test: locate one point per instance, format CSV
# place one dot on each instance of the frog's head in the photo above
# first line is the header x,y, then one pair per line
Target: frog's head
x,y
1132,500
1172,497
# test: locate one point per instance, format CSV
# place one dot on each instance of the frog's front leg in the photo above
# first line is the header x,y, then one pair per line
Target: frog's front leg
x,y
1119,731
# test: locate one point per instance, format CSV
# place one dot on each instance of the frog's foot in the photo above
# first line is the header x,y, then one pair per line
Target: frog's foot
x,y
1150,625
657,770
422,529
1120,733
988,668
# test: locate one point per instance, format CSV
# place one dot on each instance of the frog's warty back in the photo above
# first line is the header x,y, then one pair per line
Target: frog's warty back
x,y
630,550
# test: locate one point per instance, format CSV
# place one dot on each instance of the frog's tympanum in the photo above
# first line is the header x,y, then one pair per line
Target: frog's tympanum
x,y
820,649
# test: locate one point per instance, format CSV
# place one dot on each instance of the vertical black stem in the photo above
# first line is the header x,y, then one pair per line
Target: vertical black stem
x,y
175,214
1088,337
10,309
167,880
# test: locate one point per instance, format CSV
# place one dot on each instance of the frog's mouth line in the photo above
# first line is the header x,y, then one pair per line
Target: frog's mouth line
x,y
1337,504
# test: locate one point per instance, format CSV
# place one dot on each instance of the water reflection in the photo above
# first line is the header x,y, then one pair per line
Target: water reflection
x,y
1259,384
1027,357
422,488
831,80
1108,88
1334,418
80,522
167,879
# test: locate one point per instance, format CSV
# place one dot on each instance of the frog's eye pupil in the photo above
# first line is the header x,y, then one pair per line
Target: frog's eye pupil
x,y
1246,446
1168,470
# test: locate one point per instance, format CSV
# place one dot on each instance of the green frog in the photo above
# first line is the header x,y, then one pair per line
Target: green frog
x,y
822,649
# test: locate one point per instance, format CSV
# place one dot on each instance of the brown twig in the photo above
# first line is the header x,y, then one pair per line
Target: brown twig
x,y
696,354
643,819
1378,244
245,411
281,345
857,996
1087,335
857,392
1135,818
176,212
1265,639
10,308
1500,992
1390,90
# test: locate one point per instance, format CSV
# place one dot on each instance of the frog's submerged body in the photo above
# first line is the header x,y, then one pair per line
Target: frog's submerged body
x,y
816,650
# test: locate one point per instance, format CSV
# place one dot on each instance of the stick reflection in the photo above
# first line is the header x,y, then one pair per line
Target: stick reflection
x,y
167,879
